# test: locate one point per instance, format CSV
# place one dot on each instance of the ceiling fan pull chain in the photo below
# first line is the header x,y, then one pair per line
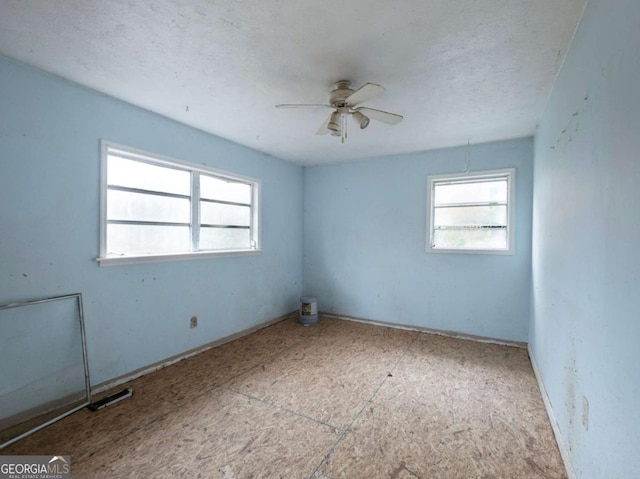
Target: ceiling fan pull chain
x,y
344,128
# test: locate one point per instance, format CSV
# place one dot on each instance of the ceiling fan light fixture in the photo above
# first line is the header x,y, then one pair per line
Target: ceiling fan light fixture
x,y
361,120
334,123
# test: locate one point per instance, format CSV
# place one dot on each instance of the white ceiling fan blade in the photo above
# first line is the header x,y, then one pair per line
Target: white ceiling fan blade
x,y
324,129
383,116
364,93
296,105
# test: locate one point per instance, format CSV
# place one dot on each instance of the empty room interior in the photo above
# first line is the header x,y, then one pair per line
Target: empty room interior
x,y
362,239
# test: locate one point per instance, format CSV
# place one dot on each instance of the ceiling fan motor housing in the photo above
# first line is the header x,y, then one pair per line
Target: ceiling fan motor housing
x,y
340,92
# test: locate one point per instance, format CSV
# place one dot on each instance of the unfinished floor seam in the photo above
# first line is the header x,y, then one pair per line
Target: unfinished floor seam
x,y
180,404
283,409
384,380
348,429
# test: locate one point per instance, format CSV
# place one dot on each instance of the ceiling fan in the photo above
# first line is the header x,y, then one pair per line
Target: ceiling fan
x,y
343,100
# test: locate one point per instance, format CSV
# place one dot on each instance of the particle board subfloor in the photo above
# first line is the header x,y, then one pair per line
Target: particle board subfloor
x,y
336,400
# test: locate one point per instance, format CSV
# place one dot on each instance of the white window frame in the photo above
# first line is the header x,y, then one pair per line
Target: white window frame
x,y
509,174
107,147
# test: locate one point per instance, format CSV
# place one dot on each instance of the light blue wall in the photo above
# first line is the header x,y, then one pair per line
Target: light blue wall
x,y
364,245
585,326
49,193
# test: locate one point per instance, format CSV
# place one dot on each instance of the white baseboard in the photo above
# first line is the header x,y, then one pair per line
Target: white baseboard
x,y
439,332
564,450
112,383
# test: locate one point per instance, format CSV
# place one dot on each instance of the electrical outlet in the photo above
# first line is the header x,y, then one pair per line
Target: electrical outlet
x,y
585,413
194,321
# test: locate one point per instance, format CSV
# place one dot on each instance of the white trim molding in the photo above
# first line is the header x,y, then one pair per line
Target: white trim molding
x,y
562,446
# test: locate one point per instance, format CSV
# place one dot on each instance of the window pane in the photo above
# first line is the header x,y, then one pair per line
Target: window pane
x,y
481,192
221,214
218,189
124,205
142,239
470,239
135,174
224,238
471,215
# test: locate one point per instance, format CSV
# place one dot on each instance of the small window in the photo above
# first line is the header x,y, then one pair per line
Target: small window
x,y
154,208
471,212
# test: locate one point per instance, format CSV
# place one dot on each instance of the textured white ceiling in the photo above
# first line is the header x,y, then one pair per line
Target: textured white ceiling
x,y
459,71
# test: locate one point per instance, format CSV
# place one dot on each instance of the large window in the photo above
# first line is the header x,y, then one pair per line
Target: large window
x,y
471,212
156,208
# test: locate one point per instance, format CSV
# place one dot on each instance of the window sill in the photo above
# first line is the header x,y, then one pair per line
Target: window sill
x,y
501,252
157,258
